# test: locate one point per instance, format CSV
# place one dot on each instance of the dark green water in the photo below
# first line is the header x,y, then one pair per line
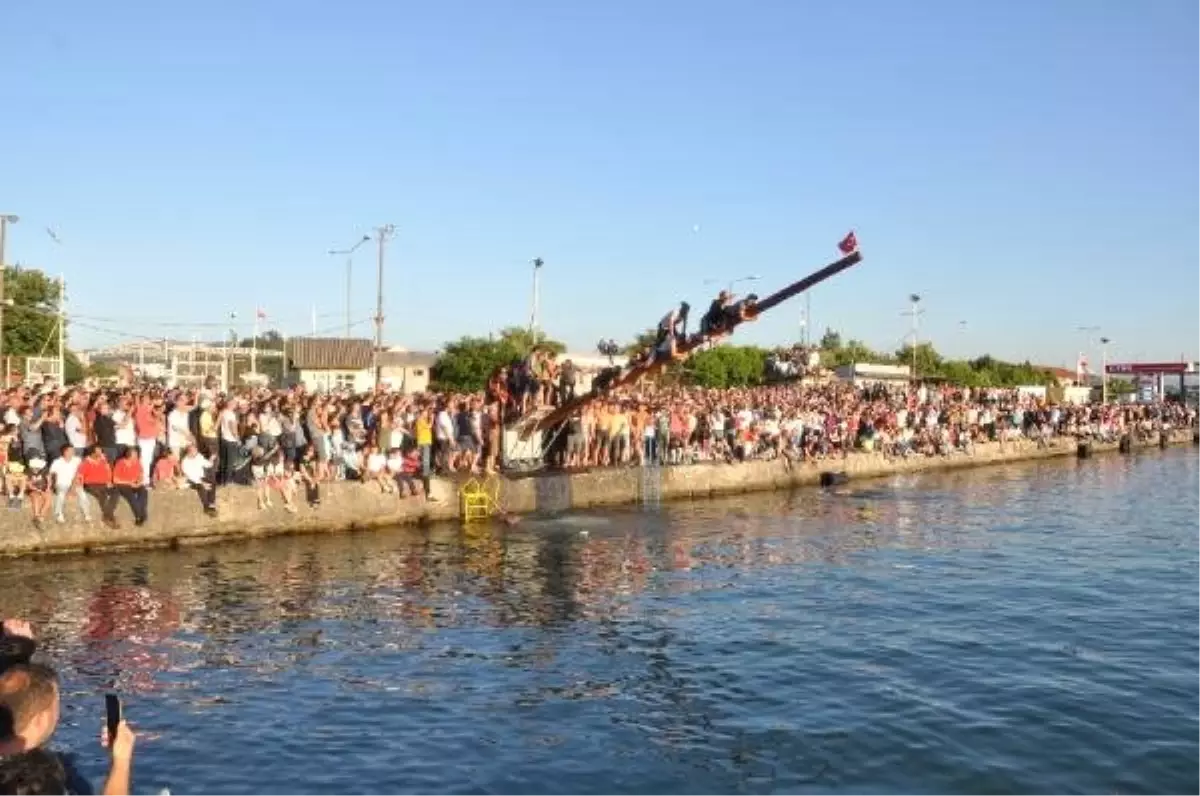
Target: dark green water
x,y
1030,628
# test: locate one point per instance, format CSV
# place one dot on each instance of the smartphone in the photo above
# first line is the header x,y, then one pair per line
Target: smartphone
x,y
112,710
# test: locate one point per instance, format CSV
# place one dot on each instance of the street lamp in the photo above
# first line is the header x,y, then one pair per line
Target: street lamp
x,y
383,234
537,263
349,255
62,316
1104,341
5,220
915,313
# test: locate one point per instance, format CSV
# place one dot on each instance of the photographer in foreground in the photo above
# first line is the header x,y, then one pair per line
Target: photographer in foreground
x,y
29,712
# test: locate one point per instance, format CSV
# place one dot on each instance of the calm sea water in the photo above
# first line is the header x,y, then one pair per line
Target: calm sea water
x,y
1030,628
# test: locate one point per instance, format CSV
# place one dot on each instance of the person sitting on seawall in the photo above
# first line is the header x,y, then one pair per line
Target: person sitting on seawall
x,y
672,330
198,470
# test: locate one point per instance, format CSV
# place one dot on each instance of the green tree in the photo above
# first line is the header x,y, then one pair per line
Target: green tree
x,y
1120,387
73,367
269,366
521,339
835,353
270,340
858,351
960,372
727,366
928,360
831,340
465,364
30,320
100,370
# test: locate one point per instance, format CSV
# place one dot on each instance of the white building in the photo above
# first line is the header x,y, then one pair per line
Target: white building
x,y
862,374
325,364
587,366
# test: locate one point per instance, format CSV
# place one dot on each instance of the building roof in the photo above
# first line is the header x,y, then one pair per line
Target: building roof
x,y
329,353
406,359
1058,373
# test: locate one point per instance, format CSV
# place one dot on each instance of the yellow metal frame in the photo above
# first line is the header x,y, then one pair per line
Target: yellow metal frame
x,y
480,499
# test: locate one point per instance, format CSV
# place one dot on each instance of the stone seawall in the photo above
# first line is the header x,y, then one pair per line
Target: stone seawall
x,y
176,517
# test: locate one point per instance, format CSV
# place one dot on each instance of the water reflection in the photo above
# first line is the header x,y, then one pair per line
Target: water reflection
x,y
118,607
625,610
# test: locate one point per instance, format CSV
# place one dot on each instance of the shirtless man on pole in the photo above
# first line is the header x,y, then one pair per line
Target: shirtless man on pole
x,y
672,330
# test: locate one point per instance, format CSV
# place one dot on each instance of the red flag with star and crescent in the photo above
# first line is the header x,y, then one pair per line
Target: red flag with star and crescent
x,y
849,244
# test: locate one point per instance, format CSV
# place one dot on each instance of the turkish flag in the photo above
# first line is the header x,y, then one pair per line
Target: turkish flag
x,y
849,244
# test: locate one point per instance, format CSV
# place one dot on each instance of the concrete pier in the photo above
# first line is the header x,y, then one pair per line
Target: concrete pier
x,y
176,517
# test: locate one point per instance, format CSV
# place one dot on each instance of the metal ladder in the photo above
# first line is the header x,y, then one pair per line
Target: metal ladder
x,y
651,485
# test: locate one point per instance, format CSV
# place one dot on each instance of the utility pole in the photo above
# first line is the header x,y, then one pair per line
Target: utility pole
x,y
533,307
5,220
383,234
62,316
915,313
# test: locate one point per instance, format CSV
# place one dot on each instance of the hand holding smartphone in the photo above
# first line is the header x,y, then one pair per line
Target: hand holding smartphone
x,y
112,710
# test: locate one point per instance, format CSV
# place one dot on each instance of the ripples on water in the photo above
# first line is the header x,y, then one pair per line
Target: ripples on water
x,y
1028,628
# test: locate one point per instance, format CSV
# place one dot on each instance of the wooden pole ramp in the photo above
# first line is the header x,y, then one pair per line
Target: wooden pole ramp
x,y
545,417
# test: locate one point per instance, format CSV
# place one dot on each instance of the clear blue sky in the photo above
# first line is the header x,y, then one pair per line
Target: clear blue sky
x,y
1028,167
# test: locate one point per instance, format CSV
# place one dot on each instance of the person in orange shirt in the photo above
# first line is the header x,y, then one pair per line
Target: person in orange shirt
x,y
127,479
95,474
166,471
147,423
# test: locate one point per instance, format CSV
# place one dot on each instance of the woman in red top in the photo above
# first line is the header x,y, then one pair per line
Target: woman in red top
x,y
129,482
95,473
147,422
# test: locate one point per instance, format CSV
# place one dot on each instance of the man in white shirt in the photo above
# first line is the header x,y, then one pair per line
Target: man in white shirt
x,y
64,472
197,470
231,442
443,437
74,427
123,422
179,432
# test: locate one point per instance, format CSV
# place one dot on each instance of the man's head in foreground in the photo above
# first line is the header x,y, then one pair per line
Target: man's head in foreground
x,y
28,707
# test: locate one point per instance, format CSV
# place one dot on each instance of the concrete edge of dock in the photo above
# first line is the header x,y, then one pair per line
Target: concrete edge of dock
x,y
176,518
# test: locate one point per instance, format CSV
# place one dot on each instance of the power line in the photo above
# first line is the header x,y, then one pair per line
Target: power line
x,y
158,339
176,324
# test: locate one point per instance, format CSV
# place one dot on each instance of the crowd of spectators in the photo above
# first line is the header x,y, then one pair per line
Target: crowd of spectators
x,y
835,419
97,447
30,706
